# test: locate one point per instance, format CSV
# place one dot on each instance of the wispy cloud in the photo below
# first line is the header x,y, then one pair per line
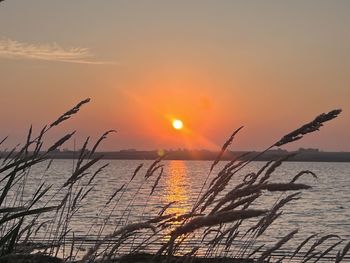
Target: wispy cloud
x,y
13,49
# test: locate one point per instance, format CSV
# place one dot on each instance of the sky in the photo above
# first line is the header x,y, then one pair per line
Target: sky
x,y
270,66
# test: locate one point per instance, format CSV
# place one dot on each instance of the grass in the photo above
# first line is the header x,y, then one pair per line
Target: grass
x,y
223,217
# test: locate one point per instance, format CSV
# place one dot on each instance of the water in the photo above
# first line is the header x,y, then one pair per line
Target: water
x,y
323,209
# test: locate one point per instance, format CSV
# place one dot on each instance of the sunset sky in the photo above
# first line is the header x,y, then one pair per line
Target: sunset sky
x,y
216,65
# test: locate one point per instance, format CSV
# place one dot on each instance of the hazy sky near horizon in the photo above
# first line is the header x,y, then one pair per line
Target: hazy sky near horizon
x,y
268,65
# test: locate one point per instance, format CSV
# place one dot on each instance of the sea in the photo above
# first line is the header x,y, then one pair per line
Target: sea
x,y
323,209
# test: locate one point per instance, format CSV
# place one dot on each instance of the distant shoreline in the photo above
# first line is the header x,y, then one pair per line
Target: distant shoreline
x,y
302,155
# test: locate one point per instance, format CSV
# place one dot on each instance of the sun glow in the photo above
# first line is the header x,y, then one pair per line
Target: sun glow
x,y
178,124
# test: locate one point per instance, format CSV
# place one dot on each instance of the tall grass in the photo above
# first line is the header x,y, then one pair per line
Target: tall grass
x,y
222,215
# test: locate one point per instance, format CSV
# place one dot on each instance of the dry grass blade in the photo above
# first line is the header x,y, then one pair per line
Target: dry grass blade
x,y
3,140
177,218
27,229
266,221
75,175
280,243
63,202
117,244
160,218
302,244
312,126
188,256
342,254
337,259
69,113
273,187
82,153
215,219
231,237
8,157
114,194
87,192
234,194
71,249
258,249
229,167
26,213
7,187
49,165
38,140
74,203
162,211
60,142
281,259
10,239
157,181
136,171
122,231
273,167
327,251
38,195
153,167
97,172
104,136
266,165
12,209
313,255
302,173
224,147
28,138
319,242
219,234
16,163
286,200
209,201
243,201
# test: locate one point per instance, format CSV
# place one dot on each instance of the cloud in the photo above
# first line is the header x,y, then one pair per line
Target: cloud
x,y
13,49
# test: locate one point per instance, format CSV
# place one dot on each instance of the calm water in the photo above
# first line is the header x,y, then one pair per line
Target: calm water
x,y
323,209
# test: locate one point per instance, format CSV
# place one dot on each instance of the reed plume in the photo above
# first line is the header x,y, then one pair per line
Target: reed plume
x,y
309,127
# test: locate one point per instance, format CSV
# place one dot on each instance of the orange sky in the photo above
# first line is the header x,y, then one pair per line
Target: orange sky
x,y
216,66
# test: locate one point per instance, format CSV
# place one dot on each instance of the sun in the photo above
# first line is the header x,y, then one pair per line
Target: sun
x,y
178,124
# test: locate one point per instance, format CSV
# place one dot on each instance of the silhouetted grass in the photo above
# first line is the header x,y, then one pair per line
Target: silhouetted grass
x,y
221,217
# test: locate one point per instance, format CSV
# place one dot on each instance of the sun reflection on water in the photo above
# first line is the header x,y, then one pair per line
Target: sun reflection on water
x,y
177,188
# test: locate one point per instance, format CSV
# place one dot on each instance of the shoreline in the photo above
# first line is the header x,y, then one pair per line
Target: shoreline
x,y
204,155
